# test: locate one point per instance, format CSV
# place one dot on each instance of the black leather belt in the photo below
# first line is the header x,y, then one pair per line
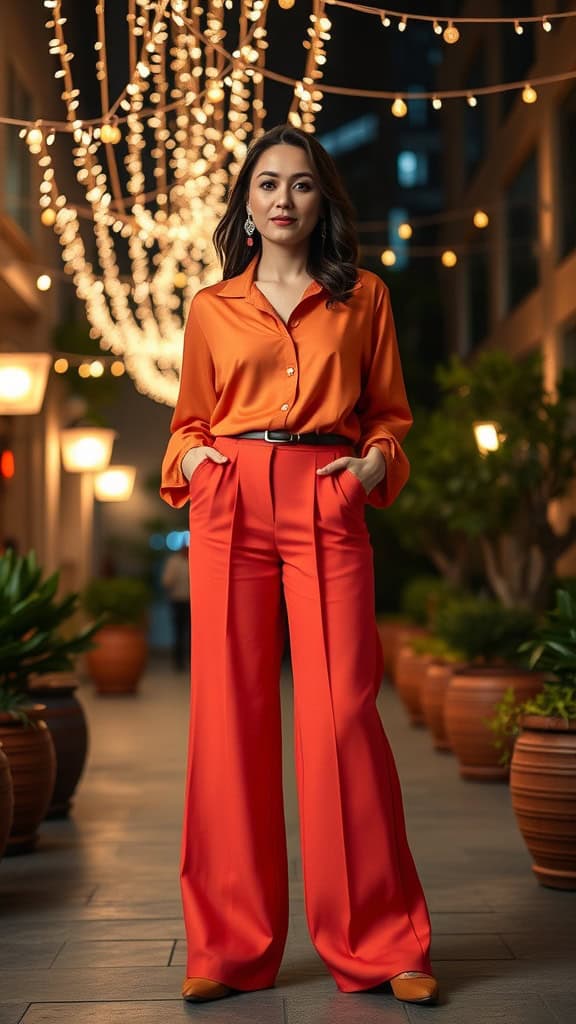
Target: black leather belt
x,y
286,437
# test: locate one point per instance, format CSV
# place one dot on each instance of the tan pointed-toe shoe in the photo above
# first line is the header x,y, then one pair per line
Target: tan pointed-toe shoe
x,y
200,990
415,987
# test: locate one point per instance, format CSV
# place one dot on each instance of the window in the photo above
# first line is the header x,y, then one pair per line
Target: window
x,y
478,294
567,174
517,56
17,170
411,168
522,232
475,117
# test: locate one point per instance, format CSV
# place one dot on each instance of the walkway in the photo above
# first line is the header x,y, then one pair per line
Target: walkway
x,y
91,929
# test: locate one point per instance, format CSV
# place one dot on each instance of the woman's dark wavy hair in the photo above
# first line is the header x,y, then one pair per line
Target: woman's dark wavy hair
x,y
331,261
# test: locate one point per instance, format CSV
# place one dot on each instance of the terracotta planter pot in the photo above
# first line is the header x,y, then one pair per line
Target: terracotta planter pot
x,y
6,801
433,688
66,720
471,698
399,639
119,660
32,760
410,669
543,790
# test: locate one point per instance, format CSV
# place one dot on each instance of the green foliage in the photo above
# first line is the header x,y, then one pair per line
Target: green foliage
x,y
437,647
422,595
483,630
552,650
30,620
554,647
119,600
458,502
555,700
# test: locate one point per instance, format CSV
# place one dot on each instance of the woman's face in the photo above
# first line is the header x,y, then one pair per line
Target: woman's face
x,y
284,196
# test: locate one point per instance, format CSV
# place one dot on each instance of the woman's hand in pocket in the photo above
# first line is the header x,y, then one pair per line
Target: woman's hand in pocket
x,y
196,455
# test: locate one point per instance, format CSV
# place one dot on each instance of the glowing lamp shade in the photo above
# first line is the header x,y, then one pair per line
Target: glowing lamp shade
x,y
487,437
86,449
115,483
23,377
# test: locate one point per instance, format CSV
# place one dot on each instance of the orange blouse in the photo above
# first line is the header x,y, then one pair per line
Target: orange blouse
x,y
334,370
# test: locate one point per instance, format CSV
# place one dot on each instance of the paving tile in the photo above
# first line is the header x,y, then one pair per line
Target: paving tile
x,y
22,955
563,1004
541,944
12,1013
469,947
346,1008
252,1009
111,953
464,1009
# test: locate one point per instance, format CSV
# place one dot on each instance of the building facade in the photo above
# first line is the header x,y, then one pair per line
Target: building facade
x,y
514,286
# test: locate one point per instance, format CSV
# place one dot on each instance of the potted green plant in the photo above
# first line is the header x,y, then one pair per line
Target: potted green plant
x,y
441,662
543,761
418,598
488,635
119,655
32,647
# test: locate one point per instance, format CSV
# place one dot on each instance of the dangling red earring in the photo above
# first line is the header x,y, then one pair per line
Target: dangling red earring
x,y
249,228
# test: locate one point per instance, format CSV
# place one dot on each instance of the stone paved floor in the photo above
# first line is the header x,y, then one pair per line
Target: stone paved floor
x,y
91,929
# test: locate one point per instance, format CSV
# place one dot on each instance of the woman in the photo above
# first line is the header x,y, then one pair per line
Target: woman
x,y
289,418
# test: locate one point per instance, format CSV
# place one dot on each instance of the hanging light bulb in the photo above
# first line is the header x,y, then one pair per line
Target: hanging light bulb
x,y
402,25
48,217
399,108
61,365
451,33
481,219
43,282
546,24
471,100
437,103
529,94
518,28
385,19
437,28
449,258
286,5
405,230
388,257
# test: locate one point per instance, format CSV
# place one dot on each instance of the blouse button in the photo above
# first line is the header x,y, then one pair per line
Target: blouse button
x,y
285,407
290,371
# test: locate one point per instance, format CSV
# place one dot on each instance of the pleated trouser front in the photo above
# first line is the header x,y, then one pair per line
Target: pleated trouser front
x,y
262,521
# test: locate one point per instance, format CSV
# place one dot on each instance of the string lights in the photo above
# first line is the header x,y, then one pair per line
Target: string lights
x,y
450,32
155,166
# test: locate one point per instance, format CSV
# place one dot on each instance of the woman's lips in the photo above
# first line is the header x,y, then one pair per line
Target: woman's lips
x,y
283,220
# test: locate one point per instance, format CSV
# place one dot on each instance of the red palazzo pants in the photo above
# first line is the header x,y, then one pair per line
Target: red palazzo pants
x,y
262,521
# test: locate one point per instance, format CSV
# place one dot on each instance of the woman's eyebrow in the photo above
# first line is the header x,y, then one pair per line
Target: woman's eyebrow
x,y
274,174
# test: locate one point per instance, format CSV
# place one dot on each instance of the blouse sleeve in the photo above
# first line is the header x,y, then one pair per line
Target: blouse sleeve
x,y
383,410
190,424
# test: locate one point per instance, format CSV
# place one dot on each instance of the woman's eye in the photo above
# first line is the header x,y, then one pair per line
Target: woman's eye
x,y
265,183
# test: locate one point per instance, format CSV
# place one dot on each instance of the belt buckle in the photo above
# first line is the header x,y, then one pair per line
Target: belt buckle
x,y
280,440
